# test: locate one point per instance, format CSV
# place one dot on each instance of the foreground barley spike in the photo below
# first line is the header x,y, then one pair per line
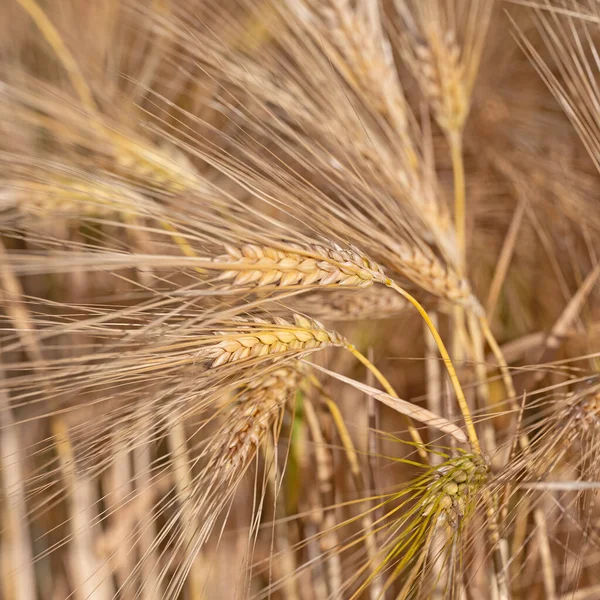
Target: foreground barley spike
x,y
314,266
451,486
257,338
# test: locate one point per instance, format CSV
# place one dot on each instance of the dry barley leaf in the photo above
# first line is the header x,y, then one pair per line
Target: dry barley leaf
x,y
402,406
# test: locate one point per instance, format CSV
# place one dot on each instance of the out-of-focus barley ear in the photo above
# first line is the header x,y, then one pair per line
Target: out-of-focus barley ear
x,y
434,57
82,198
70,197
166,169
446,70
363,55
17,564
351,305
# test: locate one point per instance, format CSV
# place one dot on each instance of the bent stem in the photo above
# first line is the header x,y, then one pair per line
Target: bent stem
x,y
460,396
414,433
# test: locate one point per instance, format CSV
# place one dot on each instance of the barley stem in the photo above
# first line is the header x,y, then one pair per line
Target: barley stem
x,y
483,388
15,524
498,558
182,470
329,539
460,396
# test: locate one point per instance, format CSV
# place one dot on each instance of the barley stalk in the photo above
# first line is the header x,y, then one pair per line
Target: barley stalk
x,y
57,44
19,566
460,396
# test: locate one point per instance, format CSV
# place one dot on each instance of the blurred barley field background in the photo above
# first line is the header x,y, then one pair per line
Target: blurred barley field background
x,y
299,299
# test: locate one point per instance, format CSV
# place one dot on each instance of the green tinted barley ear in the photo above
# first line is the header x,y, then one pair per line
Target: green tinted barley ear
x,y
453,488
